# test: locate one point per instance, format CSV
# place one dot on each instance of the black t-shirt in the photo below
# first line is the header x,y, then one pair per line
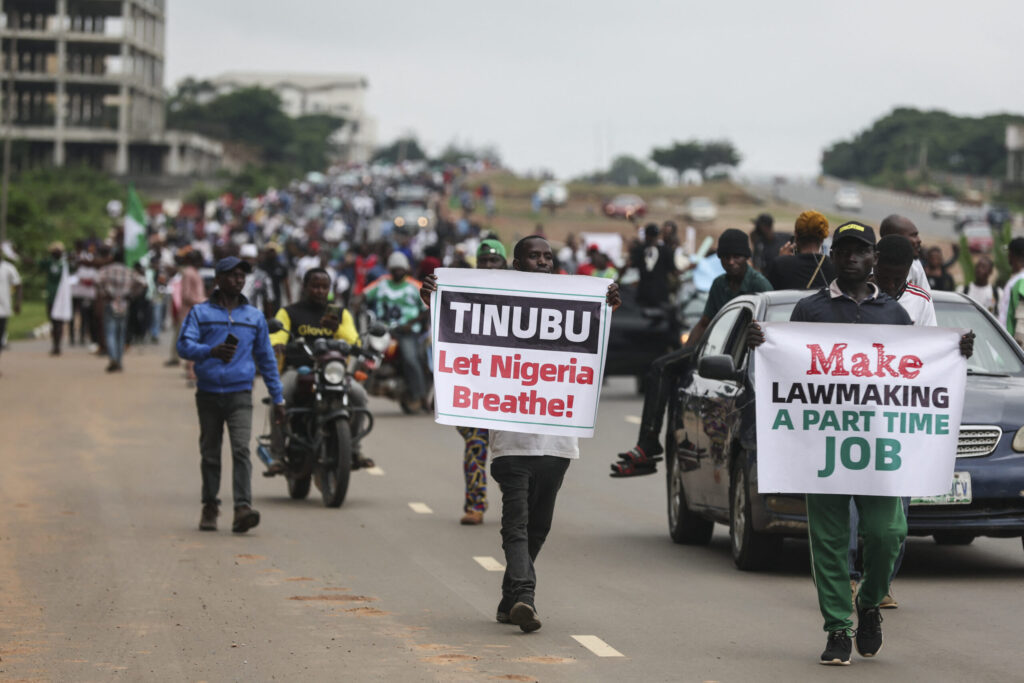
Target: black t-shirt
x,y
656,265
797,270
766,251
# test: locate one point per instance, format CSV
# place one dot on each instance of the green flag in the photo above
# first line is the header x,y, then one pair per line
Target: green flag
x,y
135,245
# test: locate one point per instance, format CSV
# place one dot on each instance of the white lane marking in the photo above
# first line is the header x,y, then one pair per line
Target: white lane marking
x,y
633,419
598,646
421,508
376,471
489,563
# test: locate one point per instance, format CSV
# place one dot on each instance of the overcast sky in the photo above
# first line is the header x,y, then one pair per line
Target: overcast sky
x,y
567,85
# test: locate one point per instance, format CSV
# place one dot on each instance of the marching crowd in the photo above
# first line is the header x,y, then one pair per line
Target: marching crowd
x,y
326,254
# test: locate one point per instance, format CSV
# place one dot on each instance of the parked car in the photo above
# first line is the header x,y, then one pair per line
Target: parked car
x,y
997,215
701,209
848,199
625,206
979,237
711,440
944,207
552,193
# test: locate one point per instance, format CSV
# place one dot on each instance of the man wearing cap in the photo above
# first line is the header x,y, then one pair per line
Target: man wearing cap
x,y
490,255
739,278
852,298
395,299
229,341
768,244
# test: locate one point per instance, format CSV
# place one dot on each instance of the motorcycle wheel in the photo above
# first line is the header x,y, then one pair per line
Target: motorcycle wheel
x,y
298,487
334,476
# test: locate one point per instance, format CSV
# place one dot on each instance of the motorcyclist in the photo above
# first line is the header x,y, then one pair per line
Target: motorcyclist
x,y
312,319
395,299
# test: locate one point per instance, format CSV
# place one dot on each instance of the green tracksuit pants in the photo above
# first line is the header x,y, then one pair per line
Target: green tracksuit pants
x,y
883,526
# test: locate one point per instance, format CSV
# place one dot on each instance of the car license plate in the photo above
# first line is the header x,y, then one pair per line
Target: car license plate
x,y
959,493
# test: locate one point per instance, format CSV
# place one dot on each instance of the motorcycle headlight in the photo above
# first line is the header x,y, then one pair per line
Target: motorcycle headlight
x,y
334,372
1018,441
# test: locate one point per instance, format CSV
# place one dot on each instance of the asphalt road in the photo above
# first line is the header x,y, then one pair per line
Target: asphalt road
x,y
878,204
104,576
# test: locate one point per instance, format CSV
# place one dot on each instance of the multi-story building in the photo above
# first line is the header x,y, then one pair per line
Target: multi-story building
x,y
88,87
341,95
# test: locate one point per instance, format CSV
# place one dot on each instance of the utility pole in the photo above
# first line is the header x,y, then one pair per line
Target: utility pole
x,y
9,127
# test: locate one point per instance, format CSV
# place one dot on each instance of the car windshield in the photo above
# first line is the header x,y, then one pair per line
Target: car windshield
x,y
992,352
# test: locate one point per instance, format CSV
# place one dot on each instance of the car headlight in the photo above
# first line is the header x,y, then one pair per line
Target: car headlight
x,y
421,221
334,372
1018,440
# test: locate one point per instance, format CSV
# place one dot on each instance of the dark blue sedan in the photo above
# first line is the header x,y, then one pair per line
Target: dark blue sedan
x,y
712,446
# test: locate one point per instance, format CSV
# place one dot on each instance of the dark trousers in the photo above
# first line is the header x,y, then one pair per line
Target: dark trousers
x,y
215,411
529,485
660,378
3,332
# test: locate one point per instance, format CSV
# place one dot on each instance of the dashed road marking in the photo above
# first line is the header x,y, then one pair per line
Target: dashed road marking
x,y
489,563
421,508
376,471
633,419
598,646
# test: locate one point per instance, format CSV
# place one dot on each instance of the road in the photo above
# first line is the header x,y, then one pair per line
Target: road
x,y
104,575
878,204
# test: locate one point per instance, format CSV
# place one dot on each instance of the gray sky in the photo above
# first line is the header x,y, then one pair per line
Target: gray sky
x,y
565,85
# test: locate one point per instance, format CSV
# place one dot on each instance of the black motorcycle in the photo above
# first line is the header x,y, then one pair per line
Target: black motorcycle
x,y
319,443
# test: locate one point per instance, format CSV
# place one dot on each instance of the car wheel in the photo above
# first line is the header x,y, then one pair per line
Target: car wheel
x,y
684,526
751,550
953,538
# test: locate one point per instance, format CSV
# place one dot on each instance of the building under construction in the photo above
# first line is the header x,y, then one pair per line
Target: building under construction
x,y
84,79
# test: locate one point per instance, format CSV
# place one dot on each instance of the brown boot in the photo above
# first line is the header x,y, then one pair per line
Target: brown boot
x,y
208,520
472,517
245,519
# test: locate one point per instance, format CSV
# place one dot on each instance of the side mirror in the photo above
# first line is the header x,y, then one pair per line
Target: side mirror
x,y
274,325
717,367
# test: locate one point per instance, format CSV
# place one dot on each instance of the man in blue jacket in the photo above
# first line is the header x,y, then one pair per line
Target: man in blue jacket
x,y
228,341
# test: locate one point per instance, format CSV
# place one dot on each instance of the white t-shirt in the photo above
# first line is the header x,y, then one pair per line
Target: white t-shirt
x,y
918,276
983,295
918,305
521,443
9,279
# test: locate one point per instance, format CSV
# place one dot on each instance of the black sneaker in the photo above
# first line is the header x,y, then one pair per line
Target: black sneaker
x,y
504,607
869,631
245,519
208,520
524,616
837,649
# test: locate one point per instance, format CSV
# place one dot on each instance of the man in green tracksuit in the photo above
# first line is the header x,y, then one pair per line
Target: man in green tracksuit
x,y
851,298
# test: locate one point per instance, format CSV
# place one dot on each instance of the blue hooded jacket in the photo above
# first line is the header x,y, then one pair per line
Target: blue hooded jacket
x,y
207,325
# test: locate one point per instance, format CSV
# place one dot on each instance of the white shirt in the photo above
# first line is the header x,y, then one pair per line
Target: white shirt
x,y
918,305
918,276
983,295
9,279
521,443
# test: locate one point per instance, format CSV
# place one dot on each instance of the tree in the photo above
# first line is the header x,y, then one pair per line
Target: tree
x,y
625,170
402,149
680,157
718,153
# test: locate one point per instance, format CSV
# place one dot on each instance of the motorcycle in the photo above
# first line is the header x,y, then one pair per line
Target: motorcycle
x,y
319,443
384,373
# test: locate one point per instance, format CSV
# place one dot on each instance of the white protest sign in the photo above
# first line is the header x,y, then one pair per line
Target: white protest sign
x,y
520,352
858,409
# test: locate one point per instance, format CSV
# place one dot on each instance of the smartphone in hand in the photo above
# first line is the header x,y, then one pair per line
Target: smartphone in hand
x,y
231,340
334,310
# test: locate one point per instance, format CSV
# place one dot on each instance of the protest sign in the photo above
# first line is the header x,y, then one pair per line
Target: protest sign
x,y
522,352
858,409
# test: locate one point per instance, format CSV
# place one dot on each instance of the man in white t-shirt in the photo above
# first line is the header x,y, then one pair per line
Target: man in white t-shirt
x,y
981,290
529,469
901,225
9,280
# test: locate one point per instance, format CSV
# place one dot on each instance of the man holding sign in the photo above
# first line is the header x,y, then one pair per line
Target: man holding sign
x,y
522,356
844,470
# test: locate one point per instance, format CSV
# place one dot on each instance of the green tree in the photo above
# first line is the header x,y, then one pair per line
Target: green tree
x,y
402,149
680,157
718,153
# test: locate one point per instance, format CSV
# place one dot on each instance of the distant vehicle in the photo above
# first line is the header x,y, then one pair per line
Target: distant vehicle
x,y
944,207
979,237
968,214
412,194
413,217
848,199
625,206
997,216
553,193
701,209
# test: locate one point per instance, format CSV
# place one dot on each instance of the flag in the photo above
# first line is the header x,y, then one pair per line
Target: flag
x,y
135,246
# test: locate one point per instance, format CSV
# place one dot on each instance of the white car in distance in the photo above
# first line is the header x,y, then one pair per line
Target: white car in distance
x,y
848,199
701,209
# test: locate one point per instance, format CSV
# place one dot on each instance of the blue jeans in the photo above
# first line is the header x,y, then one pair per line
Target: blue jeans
x,y
852,558
529,485
157,323
115,331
